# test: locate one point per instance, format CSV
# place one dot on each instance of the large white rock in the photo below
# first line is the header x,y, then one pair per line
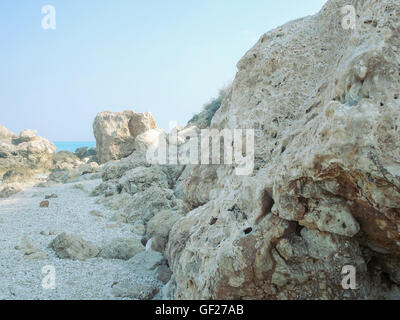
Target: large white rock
x,y
325,192
115,133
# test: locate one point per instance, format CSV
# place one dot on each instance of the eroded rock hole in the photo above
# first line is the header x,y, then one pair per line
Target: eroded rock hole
x,y
266,205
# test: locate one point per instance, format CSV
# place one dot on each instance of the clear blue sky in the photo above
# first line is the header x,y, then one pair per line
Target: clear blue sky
x,y
166,57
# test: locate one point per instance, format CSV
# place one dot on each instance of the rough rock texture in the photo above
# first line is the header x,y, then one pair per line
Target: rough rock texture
x,y
325,192
115,133
66,160
25,153
122,248
159,227
151,138
154,272
73,247
30,251
134,288
10,189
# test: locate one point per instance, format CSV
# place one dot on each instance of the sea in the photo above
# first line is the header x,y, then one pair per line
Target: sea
x,y
73,145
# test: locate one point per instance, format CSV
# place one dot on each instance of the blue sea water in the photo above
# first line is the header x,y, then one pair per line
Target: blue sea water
x,y
73,145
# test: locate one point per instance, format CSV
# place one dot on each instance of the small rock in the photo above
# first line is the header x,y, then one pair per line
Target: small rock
x,y
96,213
48,232
52,196
44,204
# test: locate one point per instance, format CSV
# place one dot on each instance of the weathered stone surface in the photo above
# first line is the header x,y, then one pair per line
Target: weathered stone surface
x,y
122,248
26,153
114,170
159,226
66,160
141,122
6,135
115,133
44,204
150,139
8,190
73,247
141,178
30,251
144,205
136,288
150,264
86,153
325,191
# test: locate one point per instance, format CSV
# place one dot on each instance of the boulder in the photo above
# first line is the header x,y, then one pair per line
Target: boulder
x,y
150,264
136,288
6,135
85,153
27,135
66,160
73,247
122,248
159,227
26,153
16,175
115,133
114,170
144,205
10,189
141,178
30,251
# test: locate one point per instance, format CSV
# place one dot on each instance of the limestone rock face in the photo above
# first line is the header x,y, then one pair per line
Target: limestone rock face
x,y
115,133
325,192
25,153
73,247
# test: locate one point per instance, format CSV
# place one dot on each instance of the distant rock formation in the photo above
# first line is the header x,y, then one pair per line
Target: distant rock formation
x,y
24,155
115,133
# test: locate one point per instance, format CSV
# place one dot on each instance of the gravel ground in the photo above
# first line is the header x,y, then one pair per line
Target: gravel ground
x,y
21,216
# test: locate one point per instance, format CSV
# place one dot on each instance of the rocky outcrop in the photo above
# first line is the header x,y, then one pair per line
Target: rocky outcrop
x,y
115,133
84,153
325,192
25,155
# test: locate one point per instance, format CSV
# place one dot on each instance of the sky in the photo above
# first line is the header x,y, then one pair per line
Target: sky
x,y
167,57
